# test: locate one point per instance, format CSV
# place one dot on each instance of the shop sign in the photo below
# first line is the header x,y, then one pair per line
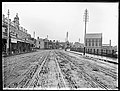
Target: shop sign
x,y
13,40
20,40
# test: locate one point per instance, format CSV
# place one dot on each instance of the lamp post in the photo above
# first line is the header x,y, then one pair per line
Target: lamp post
x,y
7,48
85,20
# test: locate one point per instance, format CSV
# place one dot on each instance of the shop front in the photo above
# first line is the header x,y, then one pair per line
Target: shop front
x,y
13,46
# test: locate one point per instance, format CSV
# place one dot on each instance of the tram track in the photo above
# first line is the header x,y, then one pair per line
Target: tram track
x,y
106,71
89,77
58,70
38,71
25,78
41,78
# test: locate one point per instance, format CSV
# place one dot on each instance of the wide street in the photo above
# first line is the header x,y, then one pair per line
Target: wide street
x,y
57,69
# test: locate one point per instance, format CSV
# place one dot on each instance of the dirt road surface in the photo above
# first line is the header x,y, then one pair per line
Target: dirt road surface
x,y
57,69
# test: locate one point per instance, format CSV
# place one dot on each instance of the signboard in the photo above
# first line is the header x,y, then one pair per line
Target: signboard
x,y
20,40
13,40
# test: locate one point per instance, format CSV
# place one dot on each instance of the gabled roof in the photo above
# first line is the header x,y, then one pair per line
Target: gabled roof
x,y
94,35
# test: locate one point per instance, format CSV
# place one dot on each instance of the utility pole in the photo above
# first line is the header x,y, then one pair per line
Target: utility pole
x,y
47,42
85,20
7,48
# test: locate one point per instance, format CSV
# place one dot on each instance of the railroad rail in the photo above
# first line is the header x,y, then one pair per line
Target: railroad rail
x,y
104,70
100,84
59,67
25,78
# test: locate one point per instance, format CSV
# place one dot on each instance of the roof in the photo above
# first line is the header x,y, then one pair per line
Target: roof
x,y
105,44
94,35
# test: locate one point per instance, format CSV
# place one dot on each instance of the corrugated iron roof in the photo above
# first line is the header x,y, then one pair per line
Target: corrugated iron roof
x,y
94,35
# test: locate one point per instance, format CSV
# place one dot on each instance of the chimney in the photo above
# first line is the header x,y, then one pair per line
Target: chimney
x,y
67,36
110,42
47,36
34,34
79,40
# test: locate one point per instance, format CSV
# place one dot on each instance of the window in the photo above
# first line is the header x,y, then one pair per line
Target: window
x,y
89,44
96,44
92,43
91,50
99,44
97,51
86,44
94,50
39,42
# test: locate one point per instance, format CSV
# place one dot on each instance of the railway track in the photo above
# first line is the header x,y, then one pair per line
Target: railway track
x,y
88,76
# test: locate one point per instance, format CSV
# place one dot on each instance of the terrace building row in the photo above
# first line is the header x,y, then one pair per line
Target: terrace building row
x,y
48,44
19,40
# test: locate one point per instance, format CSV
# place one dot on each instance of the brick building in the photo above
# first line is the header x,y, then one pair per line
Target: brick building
x,y
93,43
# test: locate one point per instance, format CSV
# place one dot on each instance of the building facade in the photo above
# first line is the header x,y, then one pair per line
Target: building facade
x,y
40,43
19,40
93,43
47,44
107,49
77,46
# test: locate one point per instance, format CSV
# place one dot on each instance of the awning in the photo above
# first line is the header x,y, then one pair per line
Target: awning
x,y
13,40
20,40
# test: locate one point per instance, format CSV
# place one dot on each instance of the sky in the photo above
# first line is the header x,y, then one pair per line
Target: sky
x,y
55,19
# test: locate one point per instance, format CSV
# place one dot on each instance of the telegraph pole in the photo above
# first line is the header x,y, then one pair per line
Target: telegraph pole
x,y
85,20
7,48
47,42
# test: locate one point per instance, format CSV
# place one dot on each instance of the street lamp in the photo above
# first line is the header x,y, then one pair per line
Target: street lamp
x,y
7,48
85,20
